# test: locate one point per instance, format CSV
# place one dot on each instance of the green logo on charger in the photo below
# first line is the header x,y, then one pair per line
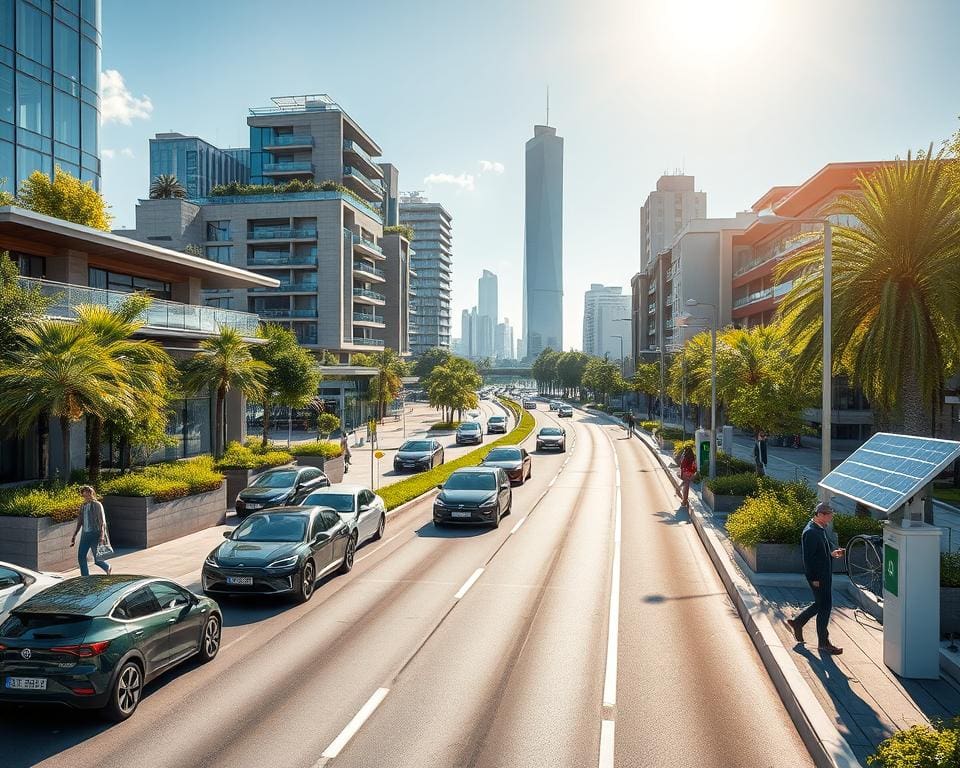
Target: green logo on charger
x,y
891,569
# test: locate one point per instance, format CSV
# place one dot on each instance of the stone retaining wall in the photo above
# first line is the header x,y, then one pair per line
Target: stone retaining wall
x,y
142,522
721,505
37,543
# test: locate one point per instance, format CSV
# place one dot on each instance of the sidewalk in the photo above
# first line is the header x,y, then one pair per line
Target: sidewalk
x,y
842,706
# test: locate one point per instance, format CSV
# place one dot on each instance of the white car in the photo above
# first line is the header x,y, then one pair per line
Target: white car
x,y
473,415
356,505
18,584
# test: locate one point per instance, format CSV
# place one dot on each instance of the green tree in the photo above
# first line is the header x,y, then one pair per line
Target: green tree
x,y
385,387
570,368
326,357
545,369
224,362
896,289
602,377
19,305
453,387
362,359
429,360
646,381
66,197
167,186
327,424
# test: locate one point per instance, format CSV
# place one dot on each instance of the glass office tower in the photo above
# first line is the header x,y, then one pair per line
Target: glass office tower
x,y
49,89
197,164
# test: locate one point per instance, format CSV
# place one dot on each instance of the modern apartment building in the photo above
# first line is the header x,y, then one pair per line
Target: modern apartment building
x,y
339,278
196,163
606,322
432,262
503,345
487,307
665,212
543,242
49,89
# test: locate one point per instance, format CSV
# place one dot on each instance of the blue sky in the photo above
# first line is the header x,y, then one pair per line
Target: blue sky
x,y
743,94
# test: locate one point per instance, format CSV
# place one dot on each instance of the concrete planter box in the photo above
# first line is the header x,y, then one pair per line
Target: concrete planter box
x,y
38,543
333,468
722,505
238,479
136,521
949,610
777,558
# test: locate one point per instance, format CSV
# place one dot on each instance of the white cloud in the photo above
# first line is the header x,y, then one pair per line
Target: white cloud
x,y
465,180
118,104
108,154
491,166
126,152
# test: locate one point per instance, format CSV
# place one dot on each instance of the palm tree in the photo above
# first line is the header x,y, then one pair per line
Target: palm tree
x,y
386,385
896,288
224,362
166,186
60,370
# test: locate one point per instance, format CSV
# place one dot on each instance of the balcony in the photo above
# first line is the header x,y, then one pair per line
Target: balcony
x,y
288,286
753,298
374,321
161,315
288,141
370,270
779,250
282,313
300,168
369,342
362,185
364,295
282,233
353,149
651,308
282,260
364,247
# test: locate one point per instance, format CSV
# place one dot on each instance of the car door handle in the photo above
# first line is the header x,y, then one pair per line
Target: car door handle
x,y
171,621
138,633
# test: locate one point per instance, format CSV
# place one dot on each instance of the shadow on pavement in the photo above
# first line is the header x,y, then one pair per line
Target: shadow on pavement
x,y
430,531
674,517
240,610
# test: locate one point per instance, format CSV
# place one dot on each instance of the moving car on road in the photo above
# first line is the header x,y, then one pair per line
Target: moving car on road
x,y
93,642
515,461
497,424
555,405
357,506
18,584
552,438
474,495
565,411
530,405
418,455
277,487
469,432
281,551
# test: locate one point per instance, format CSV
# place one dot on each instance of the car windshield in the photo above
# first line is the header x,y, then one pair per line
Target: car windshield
x,y
470,426
283,479
497,418
503,454
274,527
551,431
471,481
342,502
417,445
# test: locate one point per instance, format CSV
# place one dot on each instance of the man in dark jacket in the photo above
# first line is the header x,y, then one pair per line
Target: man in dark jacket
x,y
818,551
760,453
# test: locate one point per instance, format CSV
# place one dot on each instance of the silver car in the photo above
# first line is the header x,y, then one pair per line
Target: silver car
x,y
18,583
357,506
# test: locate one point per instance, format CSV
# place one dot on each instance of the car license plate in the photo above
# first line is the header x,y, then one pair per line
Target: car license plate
x,y
461,514
27,683
243,581
254,506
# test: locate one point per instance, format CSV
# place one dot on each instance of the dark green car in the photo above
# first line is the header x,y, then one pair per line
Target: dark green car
x,y
93,642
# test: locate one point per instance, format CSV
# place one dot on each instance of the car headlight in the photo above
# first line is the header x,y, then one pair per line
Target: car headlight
x,y
212,560
438,502
489,503
286,562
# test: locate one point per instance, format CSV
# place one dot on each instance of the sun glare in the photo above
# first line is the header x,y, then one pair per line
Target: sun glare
x,y
713,26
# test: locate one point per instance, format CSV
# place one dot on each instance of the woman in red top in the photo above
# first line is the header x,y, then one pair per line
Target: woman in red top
x,y
688,468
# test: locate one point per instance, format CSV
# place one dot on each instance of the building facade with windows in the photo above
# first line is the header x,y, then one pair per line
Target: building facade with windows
x,y
198,165
49,89
666,211
432,262
606,322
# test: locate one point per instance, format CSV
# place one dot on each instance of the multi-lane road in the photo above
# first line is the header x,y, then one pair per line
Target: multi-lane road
x,y
588,630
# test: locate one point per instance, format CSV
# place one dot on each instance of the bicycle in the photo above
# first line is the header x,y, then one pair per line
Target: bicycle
x,y
864,560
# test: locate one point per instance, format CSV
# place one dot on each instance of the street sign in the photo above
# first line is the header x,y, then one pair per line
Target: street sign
x,y
378,454
891,569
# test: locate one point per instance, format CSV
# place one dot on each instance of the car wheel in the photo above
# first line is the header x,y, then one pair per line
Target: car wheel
x,y
308,576
380,526
530,472
125,694
496,520
210,642
347,564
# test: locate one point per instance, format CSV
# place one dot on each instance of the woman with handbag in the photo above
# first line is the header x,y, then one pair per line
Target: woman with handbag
x,y
92,527
688,468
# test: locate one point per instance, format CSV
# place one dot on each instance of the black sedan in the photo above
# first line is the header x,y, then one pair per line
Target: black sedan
x,y
516,462
281,551
552,439
469,432
417,455
277,487
474,495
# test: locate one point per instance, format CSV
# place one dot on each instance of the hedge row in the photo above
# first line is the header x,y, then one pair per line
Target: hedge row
x,y
166,481
59,504
409,489
252,455
329,449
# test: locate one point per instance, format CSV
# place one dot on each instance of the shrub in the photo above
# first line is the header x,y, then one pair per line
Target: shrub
x,y
742,484
848,526
950,569
239,456
326,448
445,425
776,514
921,746
327,423
730,465
59,504
167,481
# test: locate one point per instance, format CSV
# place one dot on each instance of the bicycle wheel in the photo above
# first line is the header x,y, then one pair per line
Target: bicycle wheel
x,y
865,563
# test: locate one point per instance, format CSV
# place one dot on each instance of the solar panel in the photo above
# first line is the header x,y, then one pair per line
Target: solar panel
x,y
888,469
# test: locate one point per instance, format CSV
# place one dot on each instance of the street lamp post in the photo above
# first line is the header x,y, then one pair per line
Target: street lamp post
x,y
620,339
713,382
826,404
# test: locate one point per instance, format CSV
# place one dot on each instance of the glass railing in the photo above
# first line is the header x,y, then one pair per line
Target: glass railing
x,y
766,293
304,166
160,314
312,313
349,170
369,294
352,146
369,342
365,318
777,251
280,260
369,269
309,285
651,307
357,240
306,338
289,140
281,233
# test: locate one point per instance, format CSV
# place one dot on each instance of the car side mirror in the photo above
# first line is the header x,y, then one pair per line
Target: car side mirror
x,y
439,487
321,537
365,508
227,534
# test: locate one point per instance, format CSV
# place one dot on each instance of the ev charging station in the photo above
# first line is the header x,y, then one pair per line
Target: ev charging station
x,y
702,441
892,474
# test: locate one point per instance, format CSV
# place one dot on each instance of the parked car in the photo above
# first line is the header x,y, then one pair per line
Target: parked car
x,y
18,584
496,424
356,505
281,551
93,642
552,438
515,461
418,455
474,495
565,412
278,487
469,432
530,405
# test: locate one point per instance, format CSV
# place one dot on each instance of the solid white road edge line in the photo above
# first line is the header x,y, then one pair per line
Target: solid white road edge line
x,y
354,725
517,526
606,744
613,628
469,583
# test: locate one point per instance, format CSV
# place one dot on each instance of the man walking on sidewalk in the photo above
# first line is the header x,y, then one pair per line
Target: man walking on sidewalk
x,y
817,553
760,453
630,422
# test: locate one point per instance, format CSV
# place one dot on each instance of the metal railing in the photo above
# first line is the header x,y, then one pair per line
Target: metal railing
x,y
311,313
369,294
778,251
369,269
303,166
163,314
290,140
766,293
369,342
349,170
290,286
357,240
281,233
365,318
352,146
280,260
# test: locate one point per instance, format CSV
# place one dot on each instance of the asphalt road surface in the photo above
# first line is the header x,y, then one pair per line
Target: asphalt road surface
x,y
588,630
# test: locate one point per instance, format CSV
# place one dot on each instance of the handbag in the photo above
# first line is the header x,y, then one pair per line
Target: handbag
x,y
104,549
